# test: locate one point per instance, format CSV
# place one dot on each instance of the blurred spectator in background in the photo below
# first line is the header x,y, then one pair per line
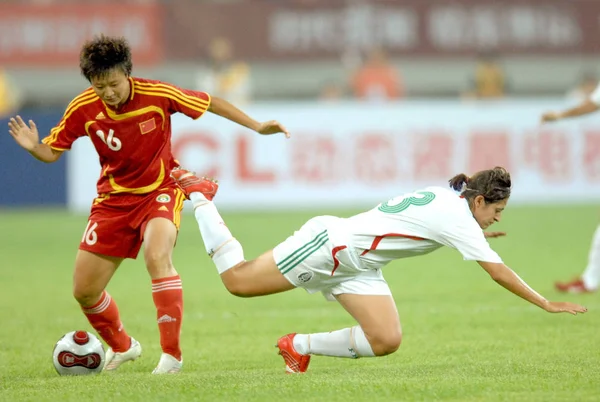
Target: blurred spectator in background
x,y
489,79
584,88
10,96
377,78
225,77
331,91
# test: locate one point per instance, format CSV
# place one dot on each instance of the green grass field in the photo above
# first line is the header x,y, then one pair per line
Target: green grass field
x,y
465,337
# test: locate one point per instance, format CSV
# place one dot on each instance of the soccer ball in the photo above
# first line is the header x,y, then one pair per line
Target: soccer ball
x,y
78,353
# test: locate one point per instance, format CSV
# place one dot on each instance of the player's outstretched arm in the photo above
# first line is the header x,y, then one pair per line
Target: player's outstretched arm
x,y
28,138
586,107
511,281
491,235
225,109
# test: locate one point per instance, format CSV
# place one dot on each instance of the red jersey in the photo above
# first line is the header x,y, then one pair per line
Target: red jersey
x,y
133,142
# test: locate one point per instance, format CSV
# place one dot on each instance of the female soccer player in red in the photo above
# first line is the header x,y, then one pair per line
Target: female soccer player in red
x,y
128,121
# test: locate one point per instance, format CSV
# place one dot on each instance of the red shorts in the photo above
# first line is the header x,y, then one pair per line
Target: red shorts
x,y
117,222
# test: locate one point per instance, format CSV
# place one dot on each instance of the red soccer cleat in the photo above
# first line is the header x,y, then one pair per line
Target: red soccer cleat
x,y
189,183
575,286
294,361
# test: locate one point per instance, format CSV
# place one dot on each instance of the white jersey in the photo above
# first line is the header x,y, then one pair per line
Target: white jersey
x,y
415,224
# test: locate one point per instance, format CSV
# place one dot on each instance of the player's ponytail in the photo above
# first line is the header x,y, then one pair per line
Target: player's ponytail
x,y
459,181
493,184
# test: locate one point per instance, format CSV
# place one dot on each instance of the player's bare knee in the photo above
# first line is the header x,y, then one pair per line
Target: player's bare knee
x,y
86,297
236,284
236,288
158,262
385,342
238,291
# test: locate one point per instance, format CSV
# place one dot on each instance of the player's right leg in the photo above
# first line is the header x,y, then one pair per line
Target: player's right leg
x,y
108,239
92,274
590,280
241,278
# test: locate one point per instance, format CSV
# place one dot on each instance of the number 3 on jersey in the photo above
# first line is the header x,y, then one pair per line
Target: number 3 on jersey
x,y
399,204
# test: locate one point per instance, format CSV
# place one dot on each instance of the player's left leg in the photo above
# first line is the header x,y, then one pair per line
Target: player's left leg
x,y
162,215
167,292
378,333
379,324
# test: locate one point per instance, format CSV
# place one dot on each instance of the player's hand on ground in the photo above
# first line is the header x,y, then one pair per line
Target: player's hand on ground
x,y
490,235
564,307
550,116
272,127
26,136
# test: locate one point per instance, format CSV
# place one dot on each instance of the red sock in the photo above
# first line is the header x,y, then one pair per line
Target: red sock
x,y
168,299
104,317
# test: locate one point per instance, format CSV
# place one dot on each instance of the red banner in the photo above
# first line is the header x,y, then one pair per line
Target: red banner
x,y
52,35
270,31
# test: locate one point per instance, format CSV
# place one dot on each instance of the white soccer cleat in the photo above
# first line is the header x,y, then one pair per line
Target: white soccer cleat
x,y
168,365
115,359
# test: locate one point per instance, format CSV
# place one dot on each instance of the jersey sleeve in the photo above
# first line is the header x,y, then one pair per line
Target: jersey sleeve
x,y
468,238
67,131
595,96
191,103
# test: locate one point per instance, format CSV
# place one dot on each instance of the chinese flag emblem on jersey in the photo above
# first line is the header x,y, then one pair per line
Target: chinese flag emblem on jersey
x,y
147,126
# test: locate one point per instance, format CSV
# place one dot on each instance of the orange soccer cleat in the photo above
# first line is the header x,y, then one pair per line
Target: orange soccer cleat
x,y
574,286
190,183
294,361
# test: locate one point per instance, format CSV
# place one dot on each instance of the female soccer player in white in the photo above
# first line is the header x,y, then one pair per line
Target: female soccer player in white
x,y
590,279
343,257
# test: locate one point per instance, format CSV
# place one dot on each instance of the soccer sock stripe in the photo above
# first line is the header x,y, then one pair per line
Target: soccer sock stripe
x,y
167,288
173,282
170,282
104,317
162,285
167,294
100,306
168,285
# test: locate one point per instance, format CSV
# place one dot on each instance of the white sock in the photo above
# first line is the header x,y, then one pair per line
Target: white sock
x,y
348,342
228,255
220,244
591,275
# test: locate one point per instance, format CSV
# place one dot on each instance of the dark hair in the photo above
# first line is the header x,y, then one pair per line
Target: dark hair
x,y
493,184
102,54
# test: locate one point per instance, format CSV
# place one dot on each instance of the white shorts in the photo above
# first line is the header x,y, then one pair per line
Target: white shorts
x,y
318,258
